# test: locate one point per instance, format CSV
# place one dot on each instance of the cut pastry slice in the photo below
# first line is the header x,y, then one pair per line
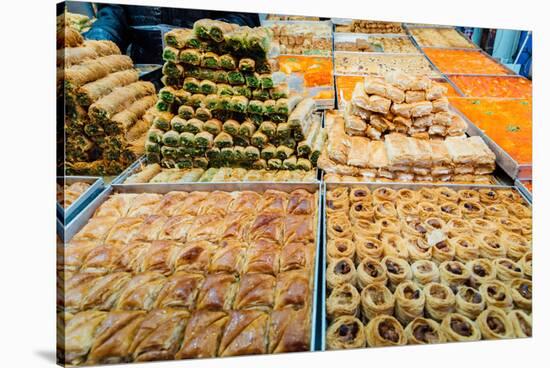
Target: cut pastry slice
x,y
255,290
80,332
217,292
289,330
180,291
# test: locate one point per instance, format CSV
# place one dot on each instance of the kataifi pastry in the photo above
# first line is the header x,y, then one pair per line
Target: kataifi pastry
x,y
521,323
368,247
469,302
384,194
522,293
442,249
407,195
418,248
481,270
369,270
445,194
377,299
337,200
341,271
458,328
494,324
397,269
440,300
497,294
516,245
481,226
409,302
453,273
361,210
423,331
526,264
346,332
466,248
457,227
424,272
507,270
339,226
394,246
340,247
385,331
490,246
343,300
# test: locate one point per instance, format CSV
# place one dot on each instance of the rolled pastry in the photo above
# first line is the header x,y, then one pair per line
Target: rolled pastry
x,y
370,271
434,223
522,293
516,245
415,227
397,269
488,196
468,195
509,196
453,273
385,331
495,210
490,247
365,229
368,247
469,302
346,332
445,194
423,331
361,210
376,300
481,270
341,271
471,209
424,272
427,195
337,200
427,209
458,328
384,194
511,224
389,225
418,248
359,194
338,226
408,210
519,210
343,300
521,323
494,324
482,226
440,300
394,246
407,195
409,302
497,294
526,263
457,227
443,251
384,209
466,247
449,210
526,227
341,247
507,270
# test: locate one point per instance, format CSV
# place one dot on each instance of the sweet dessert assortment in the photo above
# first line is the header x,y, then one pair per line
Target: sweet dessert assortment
x,y
440,37
370,26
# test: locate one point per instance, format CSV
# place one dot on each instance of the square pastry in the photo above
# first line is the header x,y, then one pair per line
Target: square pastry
x,y
245,334
267,225
144,205
217,202
301,202
273,201
116,205
176,228
290,330
206,227
255,290
123,230
180,291
293,289
299,228
105,291
96,229
150,228
217,292
228,257
141,292
262,256
160,257
130,256
169,203
245,201
101,259
191,204
237,224
195,257
202,335
297,256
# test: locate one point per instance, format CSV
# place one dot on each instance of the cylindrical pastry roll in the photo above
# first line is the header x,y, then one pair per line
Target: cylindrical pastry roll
x,y
368,247
488,196
394,246
526,264
526,227
443,251
414,227
418,248
359,194
449,210
469,302
346,332
389,225
495,210
509,196
424,272
497,294
341,271
408,210
370,271
337,200
365,229
385,331
465,195
434,223
427,210
445,194
427,195
470,209
490,247
384,194
384,209
481,270
457,227
361,211
521,323
440,300
494,324
341,247
507,270
466,247
516,245
423,331
519,210
407,195
338,226
453,273
409,302
376,300
343,300
458,328
510,224
397,269
522,293
482,226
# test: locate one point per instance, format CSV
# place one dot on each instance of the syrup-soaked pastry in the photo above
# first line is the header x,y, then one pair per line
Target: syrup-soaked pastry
x,y
468,195
180,291
74,254
519,210
202,335
123,230
76,288
217,292
160,257
384,194
521,323
368,247
150,228
407,195
427,195
169,203
206,227
409,302
414,228
96,229
337,248
369,270
522,293
237,224
341,271
337,200
229,257
362,229
457,328
343,300
141,292
105,291
245,333
397,269
256,290
466,247
273,201
469,302
488,196
301,202
117,205
457,227
526,227
384,209
516,245
267,225
361,210
130,256
445,194
424,272
427,210
417,248
289,330
359,194
482,227
195,257
490,247
389,225
449,210
494,324
113,340
376,300
510,224
385,331
346,332
495,210
453,273
79,335
408,210
244,201
298,228
443,251
440,300
176,228
191,204
216,203
262,257
101,259
509,196
394,246
507,270
297,256
497,294
526,264
338,226
144,204
423,331
159,335
481,270
292,289
470,209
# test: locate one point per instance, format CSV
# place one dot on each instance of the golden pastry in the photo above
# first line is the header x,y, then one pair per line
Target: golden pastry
x,y
297,256
445,194
471,209
495,210
369,270
481,226
456,327
488,196
169,203
385,331
217,292
434,223
384,209
427,195
424,272
246,201
407,195
408,210
267,225
237,225
343,300
229,257
443,251
298,228
96,229
417,248
195,257
423,331
368,247
79,335
346,332
507,270
481,270
337,200
466,247
338,226
179,291
273,201
361,211
449,210
521,323
394,246
465,195
245,333
262,256
101,259
457,227
414,228
377,299
389,225
363,229
130,257
409,302
73,255
176,228
337,248
510,224
516,245
497,294
526,264
293,289
427,210
117,205
494,324
440,300
256,290
341,271
509,196
360,194
150,228
160,257
469,302
384,194
76,289
526,227
397,269
519,210
203,334
522,293
490,247
141,292
190,204
453,273
285,335
123,230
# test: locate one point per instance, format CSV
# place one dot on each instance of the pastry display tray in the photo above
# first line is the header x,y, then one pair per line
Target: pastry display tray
x,y
474,46
79,221
523,190
322,266
352,37
96,185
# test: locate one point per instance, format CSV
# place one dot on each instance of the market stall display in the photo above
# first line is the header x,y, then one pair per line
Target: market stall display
x,y
359,43
302,38
426,265
370,26
450,61
489,86
440,37
376,64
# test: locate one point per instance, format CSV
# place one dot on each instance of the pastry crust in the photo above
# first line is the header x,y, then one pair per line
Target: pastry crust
x,y
362,211
79,335
245,201
101,259
466,247
346,332
368,247
285,335
228,258
376,300
96,229
507,270
262,256
195,257
117,205
469,302
256,290
440,300
77,288
494,324
409,302
516,245
423,331
267,225
160,257
144,204
297,256
293,289
237,224
169,203
497,294
458,328
337,248
203,334
424,272
176,228
216,203
245,333
298,228
273,201
522,293
180,291
206,227
217,292
397,269
105,291
74,254
369,270
490,247
130,257
343,301
385,331
521,323
481,270
149,229
190,204
341,271
338,226
453,273
123,230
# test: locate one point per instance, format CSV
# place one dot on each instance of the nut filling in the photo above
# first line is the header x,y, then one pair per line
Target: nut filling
x,y
425,333
348,332
388,332
496,325
342,267
460,327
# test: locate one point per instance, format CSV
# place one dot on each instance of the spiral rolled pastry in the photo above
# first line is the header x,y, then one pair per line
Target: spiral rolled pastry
x,y
526,227
370,271
341,271
469,302
397,269
343,300
481,270
470,209
449,210
507,270
361,210
389,225
494,324
443,251
368,247
440,300
526,263
414,227
346,332
468,195
445,194
406,195
341,247
418,248
521,323
423,331
359,194
376,300
516,245
409,302
338,226
519,210
385,331
337,200
456,327
482,226
434,223
427,195
453,273
496,210
510,224
384,209
490,247
427,210
384,194
497,294
424,272
509,196
365,229
457,227
488,196
406,210
522,293
466,247
394,246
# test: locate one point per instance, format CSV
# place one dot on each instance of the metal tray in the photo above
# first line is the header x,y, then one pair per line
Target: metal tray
x,y
96,185
523,190
470,42
352,37
79,221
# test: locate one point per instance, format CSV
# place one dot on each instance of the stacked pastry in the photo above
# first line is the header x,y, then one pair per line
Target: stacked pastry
x,y
68,194
401,103
190,275
426,266
221,107
105,106
371,26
